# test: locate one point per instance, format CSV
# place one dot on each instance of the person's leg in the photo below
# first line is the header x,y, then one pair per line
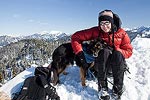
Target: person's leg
x,y
118,66
100,64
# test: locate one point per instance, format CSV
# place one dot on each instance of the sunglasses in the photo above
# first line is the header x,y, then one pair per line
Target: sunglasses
x,y
104,23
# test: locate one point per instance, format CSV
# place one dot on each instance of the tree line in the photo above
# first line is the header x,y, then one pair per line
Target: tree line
x,y
18,56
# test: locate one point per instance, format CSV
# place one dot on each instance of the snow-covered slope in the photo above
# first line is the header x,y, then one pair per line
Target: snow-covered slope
x,y
137,88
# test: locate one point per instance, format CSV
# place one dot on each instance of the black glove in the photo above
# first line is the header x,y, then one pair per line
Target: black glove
x,y
82,60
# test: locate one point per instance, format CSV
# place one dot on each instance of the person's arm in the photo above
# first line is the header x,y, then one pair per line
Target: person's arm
x,y
76,42
125,47
80,36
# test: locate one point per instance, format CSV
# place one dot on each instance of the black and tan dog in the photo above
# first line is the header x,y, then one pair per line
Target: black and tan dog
x,y
64,55
61,58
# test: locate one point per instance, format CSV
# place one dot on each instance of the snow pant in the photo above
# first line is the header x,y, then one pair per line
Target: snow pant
x,y
114,60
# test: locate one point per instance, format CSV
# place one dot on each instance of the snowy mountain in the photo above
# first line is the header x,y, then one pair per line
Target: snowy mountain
x,y
49,36
53,35
145,31
137,86
142,31
7,40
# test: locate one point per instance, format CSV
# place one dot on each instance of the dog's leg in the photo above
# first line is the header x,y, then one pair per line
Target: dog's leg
x,y
55,77
83,76
61,70
91,65
57,73
64,70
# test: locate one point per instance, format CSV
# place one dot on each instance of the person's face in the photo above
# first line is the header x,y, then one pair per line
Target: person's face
x,y
105,26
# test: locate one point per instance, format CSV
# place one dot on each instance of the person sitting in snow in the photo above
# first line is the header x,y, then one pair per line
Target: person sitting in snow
x,y
110,31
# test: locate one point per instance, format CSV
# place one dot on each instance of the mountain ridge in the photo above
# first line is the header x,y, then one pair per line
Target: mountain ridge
x,y
52,36
57,35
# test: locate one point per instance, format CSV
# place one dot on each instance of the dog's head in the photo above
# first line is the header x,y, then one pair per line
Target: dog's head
x,y
94,47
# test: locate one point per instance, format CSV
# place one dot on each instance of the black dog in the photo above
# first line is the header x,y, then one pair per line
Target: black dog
x,y
61,57
64,55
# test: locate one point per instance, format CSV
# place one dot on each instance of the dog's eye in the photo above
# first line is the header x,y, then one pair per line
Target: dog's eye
x,y
99,47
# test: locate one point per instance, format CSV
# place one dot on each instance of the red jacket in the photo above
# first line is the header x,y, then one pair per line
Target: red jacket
x,y
121,40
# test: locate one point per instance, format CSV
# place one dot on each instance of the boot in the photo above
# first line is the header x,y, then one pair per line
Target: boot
x,y
103,91
103,94
117,92
116,96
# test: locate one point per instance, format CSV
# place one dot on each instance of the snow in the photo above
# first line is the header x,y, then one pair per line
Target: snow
x,y
137,88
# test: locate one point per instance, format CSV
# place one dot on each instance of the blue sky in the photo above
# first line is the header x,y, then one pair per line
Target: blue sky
x,y
24,17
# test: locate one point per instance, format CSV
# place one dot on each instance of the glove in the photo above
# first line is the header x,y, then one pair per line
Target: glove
x,y
82,60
